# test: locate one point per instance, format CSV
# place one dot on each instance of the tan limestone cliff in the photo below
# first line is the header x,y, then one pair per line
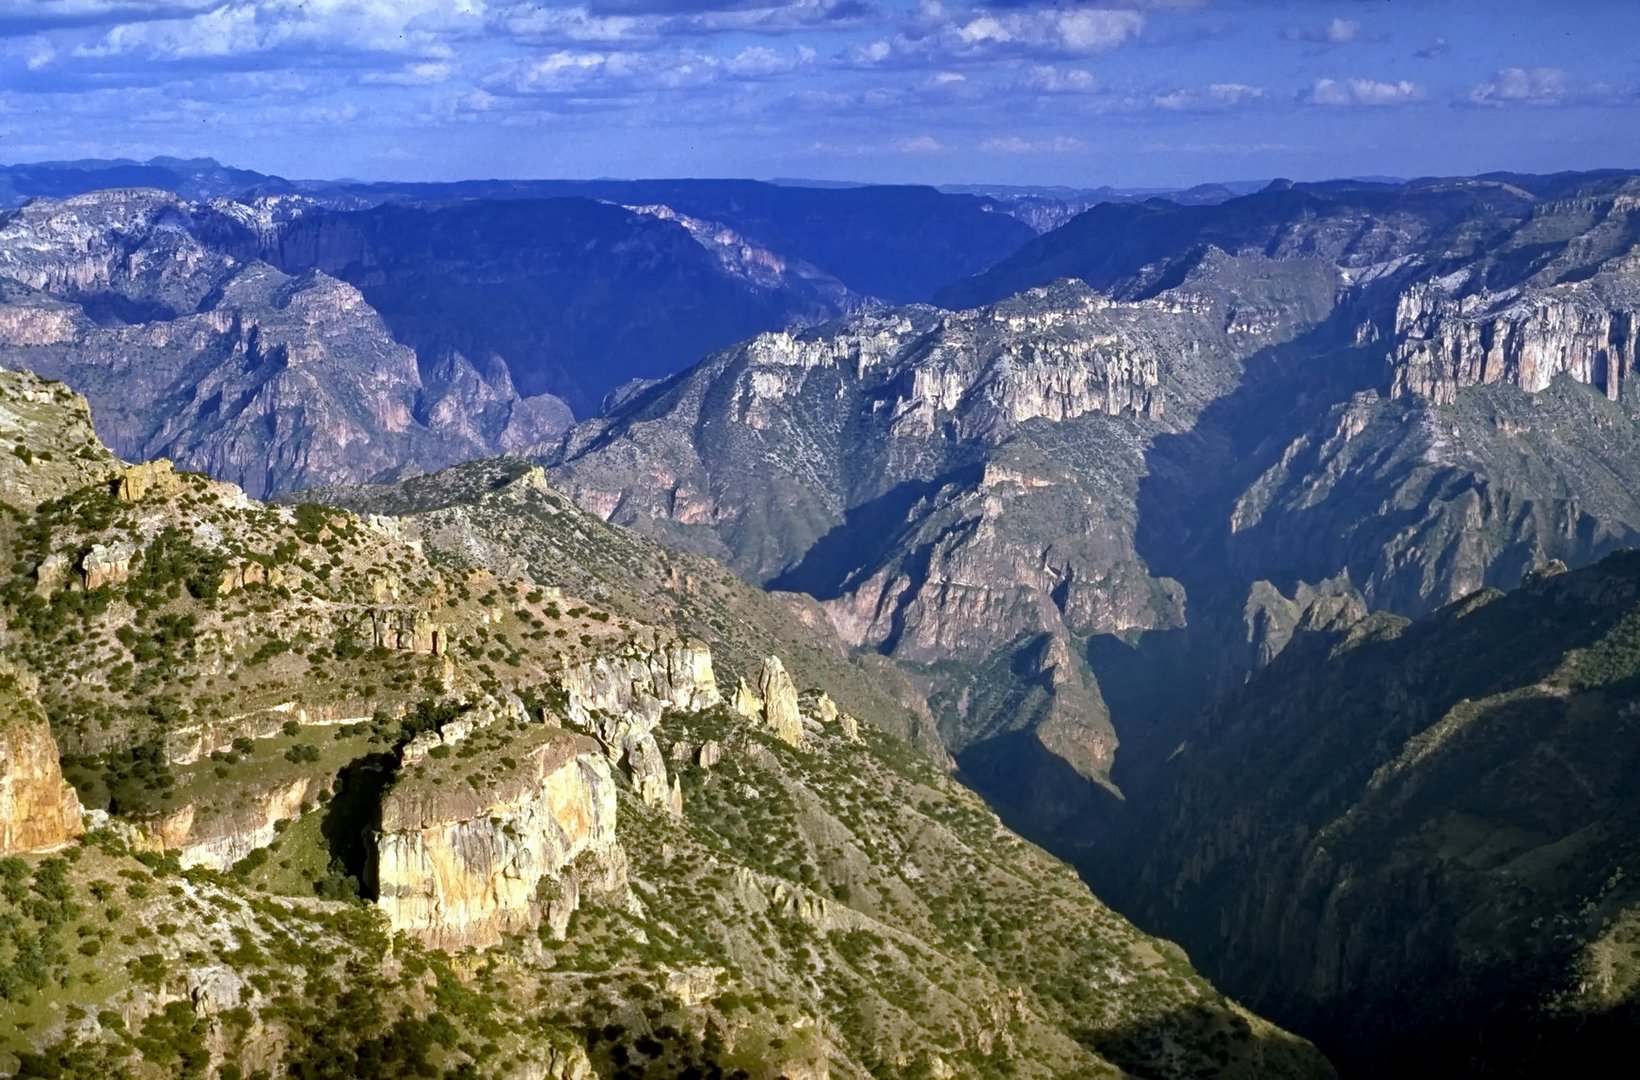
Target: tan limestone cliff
x,y
780,701
458,865
220,839
1446,343
151,480
39,811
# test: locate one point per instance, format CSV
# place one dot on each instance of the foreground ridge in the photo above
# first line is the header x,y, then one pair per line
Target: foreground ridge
x,y
366,800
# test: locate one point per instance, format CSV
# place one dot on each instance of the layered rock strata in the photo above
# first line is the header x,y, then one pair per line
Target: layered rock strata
x,y
1447,342
458,865
620,699
39,811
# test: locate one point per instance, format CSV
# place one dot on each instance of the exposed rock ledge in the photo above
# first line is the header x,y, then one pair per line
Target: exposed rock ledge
x,y
621,698
39,811
223,839
1446,343
458,866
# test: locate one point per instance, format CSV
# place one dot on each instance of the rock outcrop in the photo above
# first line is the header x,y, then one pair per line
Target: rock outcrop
x,y
219,840
107,564
156,479
779,695
458,865
39,811
52,425
676,672
1446,342
774,703
273,380
1273,620
620,699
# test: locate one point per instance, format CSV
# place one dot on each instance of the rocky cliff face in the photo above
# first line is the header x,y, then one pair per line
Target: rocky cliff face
x,y
621,698
127,253
328,707
566,296
217,840
503,515
1445,343
949,486
774,702
53,425
460,866
38,809
1077,533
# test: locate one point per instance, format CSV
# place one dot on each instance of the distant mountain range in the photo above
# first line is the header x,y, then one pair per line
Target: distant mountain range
x,y
464,318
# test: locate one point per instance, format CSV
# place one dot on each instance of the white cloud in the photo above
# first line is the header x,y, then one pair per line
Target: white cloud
x,y
1075,32
567,71
426,73
39,54
574,25
911,145
937,35
1338,92
872,53
1215,97
760,62
1521,86
1014,144
551,24
919,144
1337,32
1054,80
249,27
1434,50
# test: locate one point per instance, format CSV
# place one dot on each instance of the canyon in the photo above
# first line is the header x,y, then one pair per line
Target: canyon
x,y
1260,557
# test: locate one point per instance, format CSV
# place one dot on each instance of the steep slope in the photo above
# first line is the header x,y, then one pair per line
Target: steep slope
x,y
360,811
898,243
283,340
502,515
1137,247
39,811
574,297
1078,518
1417,840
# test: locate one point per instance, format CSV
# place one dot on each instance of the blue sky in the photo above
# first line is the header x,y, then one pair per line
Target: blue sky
x,y
1125,92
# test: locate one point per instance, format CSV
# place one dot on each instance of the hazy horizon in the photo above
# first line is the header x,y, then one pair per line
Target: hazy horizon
x,y
1133,93
1093,183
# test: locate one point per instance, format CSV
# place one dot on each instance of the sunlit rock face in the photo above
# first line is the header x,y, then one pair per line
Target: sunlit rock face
x,y
458,867
39,811
1446,343
621,697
